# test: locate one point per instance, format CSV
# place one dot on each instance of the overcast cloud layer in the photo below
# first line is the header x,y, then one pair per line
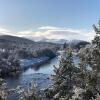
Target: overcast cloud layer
x,y
51,32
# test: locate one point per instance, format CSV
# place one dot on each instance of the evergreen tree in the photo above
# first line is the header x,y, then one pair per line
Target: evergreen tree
x,y
64,77
91,57
65,45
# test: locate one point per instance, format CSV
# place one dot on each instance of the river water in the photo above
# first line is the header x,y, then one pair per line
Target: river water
x,y
39,75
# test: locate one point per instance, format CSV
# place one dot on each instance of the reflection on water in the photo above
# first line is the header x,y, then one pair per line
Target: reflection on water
x,y
38,74
45,69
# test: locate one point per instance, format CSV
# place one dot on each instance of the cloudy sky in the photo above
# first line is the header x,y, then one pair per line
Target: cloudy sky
x,y
52,19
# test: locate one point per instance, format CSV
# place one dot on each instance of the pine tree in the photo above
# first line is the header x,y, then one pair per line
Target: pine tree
x,y
65,45
91,57
64,76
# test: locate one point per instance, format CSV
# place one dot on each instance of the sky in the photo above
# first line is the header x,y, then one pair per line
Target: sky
x,y
51,19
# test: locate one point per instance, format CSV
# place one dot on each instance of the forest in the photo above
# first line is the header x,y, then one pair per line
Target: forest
x,y
69,82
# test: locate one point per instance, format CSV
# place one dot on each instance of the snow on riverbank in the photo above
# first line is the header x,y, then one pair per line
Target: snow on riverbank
x,y
25,63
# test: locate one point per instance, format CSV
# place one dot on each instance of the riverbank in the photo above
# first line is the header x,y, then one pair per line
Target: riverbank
x,y
14,62
41,81
24,64
34,62
41,77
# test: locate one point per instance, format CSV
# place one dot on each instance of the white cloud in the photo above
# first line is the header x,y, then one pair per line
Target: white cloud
x,y
70,34
48,28
67,33
52,32
24,33
4,30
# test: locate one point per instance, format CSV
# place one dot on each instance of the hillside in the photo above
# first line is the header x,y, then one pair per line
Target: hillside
x,y
14,42
14,39
77,44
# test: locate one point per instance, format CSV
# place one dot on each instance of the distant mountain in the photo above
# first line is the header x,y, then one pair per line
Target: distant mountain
x,y
21,42
72,43
62,41
75,42
78,43
7,41
58,41
14,39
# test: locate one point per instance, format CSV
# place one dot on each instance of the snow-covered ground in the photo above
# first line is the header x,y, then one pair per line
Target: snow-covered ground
x,y
33,61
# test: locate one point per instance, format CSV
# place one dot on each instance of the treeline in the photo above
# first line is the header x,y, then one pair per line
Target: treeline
x,y
46,52
10,61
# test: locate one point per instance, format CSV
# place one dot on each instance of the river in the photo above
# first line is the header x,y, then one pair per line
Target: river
x,y
39,75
